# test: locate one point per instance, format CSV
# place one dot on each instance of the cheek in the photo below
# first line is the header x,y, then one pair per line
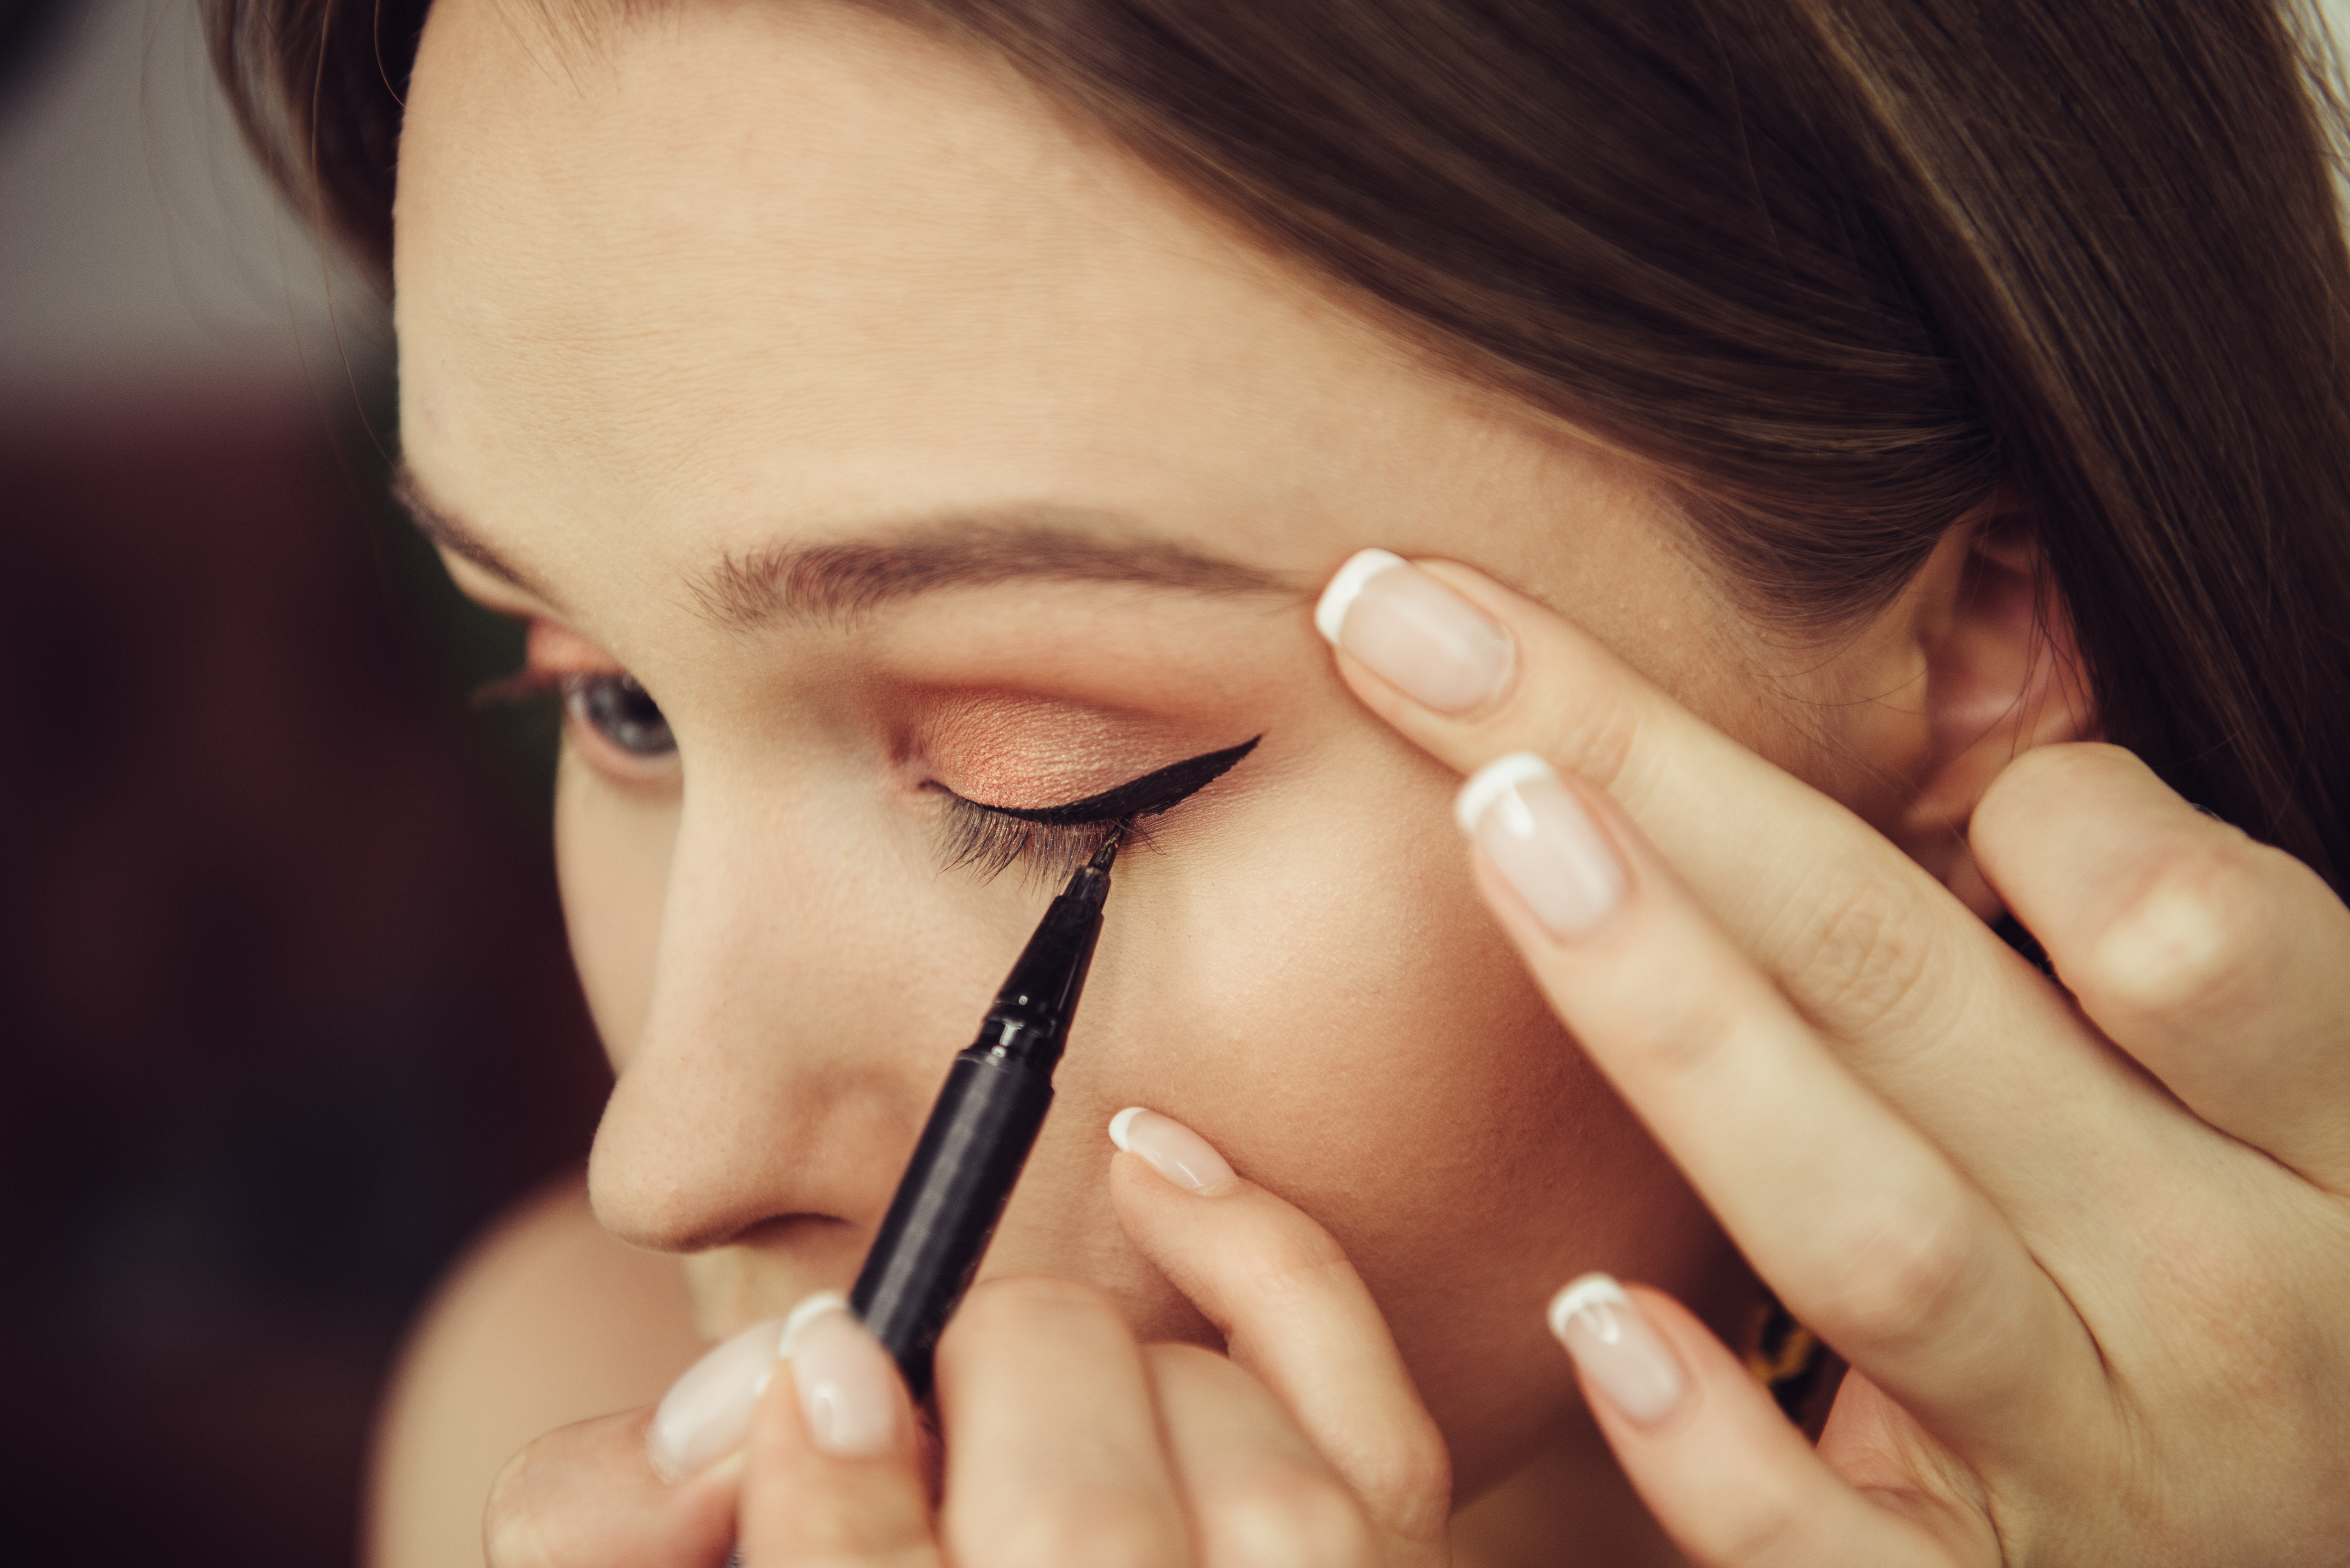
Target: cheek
x,y
612,853
1341,1017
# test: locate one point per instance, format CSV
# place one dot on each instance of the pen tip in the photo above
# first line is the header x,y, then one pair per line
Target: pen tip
x,y
1108,850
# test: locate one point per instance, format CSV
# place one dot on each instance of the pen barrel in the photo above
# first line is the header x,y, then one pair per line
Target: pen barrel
x,y
938,1225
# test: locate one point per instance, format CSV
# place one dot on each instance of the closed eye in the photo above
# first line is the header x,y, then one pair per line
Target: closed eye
x,y
1052,841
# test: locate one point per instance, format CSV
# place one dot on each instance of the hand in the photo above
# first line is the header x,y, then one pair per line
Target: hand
x,y
1063,1443
2086,1254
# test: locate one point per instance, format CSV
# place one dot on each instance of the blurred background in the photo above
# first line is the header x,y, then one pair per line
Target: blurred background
x,y
287,1009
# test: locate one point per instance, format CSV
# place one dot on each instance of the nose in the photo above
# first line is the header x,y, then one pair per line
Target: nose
x,y
800,1020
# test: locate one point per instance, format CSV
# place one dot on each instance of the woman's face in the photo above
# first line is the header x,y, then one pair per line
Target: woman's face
x,y
902,438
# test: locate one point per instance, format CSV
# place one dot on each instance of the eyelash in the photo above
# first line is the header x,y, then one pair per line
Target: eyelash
x,y
989,843
971,836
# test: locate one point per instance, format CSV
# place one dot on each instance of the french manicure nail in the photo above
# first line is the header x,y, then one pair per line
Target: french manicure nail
x,y
706,1413
1416,633
1539,836
848,1387
1172,1150
1615,1347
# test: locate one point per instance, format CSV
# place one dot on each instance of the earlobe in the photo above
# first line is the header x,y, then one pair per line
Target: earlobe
x,y
2002,676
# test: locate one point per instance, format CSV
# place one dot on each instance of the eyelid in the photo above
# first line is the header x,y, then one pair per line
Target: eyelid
x,y
1148,794
553,657
554,648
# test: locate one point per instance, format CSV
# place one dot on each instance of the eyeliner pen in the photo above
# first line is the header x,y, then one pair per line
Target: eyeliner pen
x,y
980,1132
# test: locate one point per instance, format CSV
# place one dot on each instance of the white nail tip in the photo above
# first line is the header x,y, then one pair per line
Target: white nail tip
x,y
1496,780
807,1313
1580,1295
706,1413
1121,1125
1346,587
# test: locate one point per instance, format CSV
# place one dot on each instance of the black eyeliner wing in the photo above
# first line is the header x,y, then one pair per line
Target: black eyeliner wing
x,y
1146,796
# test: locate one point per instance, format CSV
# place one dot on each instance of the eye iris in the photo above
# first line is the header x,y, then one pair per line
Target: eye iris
x,y
619,709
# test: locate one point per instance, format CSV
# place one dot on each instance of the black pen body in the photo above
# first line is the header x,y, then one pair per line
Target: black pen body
x,y
945,1214
981,1129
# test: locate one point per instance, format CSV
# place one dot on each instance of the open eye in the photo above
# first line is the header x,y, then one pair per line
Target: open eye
x,y
618,712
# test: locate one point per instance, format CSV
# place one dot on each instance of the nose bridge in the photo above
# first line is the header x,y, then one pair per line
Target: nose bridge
x,y
752,1093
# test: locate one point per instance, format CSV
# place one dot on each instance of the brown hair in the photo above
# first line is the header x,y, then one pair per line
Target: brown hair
x,y
1836,269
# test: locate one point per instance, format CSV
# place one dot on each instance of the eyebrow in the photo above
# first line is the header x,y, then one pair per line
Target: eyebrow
x,y
840,581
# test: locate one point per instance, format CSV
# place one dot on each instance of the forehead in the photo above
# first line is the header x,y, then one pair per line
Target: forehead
x,y
725,259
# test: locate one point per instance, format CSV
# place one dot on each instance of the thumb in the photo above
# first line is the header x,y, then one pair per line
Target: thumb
x,y
586,1496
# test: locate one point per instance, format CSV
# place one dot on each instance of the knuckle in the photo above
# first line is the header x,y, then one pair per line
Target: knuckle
x,y
1410,1476
1287,1257
1902,1282
1676,1032
513,1527
1858,959
1597,736
1283,1516
2194,936
1602,746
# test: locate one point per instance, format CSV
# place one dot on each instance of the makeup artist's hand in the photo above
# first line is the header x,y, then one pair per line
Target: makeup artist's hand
x,y
2087,1253
1067,1445
1063,1442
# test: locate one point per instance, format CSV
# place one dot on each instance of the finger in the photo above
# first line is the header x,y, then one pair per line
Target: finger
x,y
586,1496
1864,1227
1912,988
1257,1493
1295,1313
1731,1480
1053,1458
2215,961
830,1474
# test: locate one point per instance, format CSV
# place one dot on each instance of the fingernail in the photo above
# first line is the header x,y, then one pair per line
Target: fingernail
x,y
847,1386
706,1413
1174,1150
1538,835
1616,1350
1417,634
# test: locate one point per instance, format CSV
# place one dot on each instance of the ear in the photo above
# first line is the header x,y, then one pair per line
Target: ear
x,y
2003,675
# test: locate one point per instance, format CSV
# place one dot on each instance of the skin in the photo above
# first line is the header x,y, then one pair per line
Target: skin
x,y
775,1060
722,283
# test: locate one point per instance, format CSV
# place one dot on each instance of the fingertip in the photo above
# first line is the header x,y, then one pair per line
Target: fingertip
x,y
1346,586
1579,1294
1177,1153
1493,783
807,1313
851,1397
1620,1354
706,1412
